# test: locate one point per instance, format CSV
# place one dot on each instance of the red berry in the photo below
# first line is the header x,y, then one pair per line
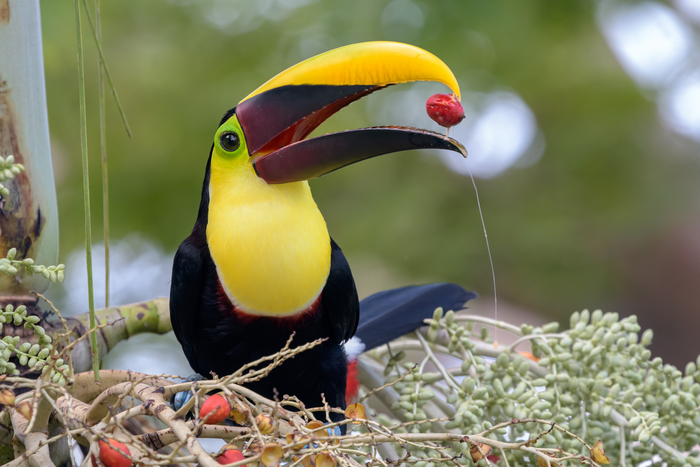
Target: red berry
x,y
445,109
229,456
218,407
109,455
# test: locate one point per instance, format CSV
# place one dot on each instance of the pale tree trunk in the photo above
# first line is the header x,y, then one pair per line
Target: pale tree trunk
x,y
29,215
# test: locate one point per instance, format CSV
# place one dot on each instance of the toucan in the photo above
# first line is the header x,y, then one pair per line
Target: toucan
x,y
260,264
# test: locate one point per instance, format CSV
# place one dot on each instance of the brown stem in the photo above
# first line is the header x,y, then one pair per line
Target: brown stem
x,y
162,438
35,455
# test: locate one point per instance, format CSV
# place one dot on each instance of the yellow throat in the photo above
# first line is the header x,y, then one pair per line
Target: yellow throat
x,y
270,243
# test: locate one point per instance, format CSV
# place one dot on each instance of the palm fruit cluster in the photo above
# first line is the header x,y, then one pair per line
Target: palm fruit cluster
x,y
596,380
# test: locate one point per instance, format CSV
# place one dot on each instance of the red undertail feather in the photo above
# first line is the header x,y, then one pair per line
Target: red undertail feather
x,y
352,388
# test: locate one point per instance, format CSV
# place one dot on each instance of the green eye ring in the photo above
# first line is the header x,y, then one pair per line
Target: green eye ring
x,y
230,141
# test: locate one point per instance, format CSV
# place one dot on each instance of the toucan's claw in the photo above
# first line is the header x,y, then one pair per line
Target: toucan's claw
x,y
178,400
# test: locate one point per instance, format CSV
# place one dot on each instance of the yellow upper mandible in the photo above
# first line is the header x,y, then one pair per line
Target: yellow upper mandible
x,y
377,63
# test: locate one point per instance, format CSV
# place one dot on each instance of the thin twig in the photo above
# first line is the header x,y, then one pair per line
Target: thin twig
x,y
103,146
109,76
387,385
86,190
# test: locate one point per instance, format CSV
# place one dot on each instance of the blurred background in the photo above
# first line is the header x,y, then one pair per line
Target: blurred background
x,y
583,127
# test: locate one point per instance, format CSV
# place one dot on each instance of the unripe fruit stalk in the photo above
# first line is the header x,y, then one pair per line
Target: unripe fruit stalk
x,y
7,397
25,409
265,423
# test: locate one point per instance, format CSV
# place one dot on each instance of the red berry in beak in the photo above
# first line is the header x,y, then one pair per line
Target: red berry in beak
x,y
445,109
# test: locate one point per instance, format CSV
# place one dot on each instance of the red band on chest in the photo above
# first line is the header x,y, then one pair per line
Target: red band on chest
x,y
290,322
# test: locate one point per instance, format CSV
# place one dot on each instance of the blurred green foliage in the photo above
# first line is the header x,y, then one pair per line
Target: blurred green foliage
x,y
610,178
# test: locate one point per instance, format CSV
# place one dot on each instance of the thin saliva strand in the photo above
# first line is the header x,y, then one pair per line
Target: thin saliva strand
x,y
488,248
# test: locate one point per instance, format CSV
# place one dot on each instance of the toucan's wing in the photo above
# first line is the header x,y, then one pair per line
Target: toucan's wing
x,y
339,297
186,290
189,272
390,314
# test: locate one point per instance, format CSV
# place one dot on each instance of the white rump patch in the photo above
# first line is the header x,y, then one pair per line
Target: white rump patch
x,y
353,348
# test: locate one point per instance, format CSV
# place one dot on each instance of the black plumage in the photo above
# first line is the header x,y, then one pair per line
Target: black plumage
x,y
217,338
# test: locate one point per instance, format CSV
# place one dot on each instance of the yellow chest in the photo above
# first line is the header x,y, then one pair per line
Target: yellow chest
x,y
270,243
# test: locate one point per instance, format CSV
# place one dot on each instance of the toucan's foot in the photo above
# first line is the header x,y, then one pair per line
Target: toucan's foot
x,y
180,399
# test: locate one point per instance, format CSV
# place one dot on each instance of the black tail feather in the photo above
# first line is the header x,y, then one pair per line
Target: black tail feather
x,y
390,314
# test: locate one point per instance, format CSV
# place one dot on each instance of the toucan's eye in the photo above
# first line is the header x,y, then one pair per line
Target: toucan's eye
x,y
230,141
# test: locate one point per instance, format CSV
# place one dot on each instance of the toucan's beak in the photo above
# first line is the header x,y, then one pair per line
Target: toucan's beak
x,y
282,112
